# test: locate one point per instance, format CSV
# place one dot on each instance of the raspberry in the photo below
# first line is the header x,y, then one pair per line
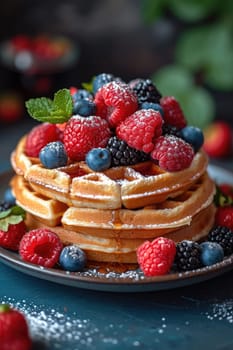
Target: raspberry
x,y
224,216
14,333
141,129
146,91
115,101
173,113
40,247
223,236
172,153
11,238
156,257
39,136
122,154
188,255
84,133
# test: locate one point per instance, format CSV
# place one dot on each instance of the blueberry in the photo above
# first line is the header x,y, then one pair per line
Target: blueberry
x,y
211,253
82,94
53,155
72,258
9,196
101,80
84,107
193,135
152,105
98,159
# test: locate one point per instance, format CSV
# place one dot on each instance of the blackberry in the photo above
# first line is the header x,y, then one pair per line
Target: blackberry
x,y
170,130
188,255
224,236
4,206
122,154
146,91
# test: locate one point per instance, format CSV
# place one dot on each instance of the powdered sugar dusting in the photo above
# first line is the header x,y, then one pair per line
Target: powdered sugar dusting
x,y
221,311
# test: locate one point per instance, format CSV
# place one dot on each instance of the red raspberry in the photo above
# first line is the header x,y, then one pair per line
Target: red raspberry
x,y
173,113
11,238
39,136
81,134
226,189
172,153
140,129
14,333
224,217
40,247
115,101
156,257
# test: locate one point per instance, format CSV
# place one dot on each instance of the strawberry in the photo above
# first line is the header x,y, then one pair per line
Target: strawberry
x,y
226,189
12,227
14,332
218,139
81,134
156,257
224,216
40,136
115,101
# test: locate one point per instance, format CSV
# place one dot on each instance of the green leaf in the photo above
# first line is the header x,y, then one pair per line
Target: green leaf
x,y
222,200
4,213
152,10
45,110
88,85
193,10
10,220
14,215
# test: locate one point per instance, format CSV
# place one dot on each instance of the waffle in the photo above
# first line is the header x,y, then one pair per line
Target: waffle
x,y
114,235
129,187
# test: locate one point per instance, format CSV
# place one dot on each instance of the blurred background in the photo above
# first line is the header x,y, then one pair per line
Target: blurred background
x,y
185,47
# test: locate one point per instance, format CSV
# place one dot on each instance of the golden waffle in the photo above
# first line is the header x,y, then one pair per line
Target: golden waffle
x,y
119,187
114,235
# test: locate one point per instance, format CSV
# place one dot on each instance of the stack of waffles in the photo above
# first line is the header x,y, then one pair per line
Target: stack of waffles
x,y
112,212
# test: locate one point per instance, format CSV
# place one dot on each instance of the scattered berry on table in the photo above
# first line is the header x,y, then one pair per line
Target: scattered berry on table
x,y
172,153
39,136
211,253
140,129
14,331
98,159
224,216
100,80
53,155
41,247
146,91
84,133
152,105
224,236
218,139
9,196
72,258
84,107
188,255
156,257
12,227
114,102
122,154
173,113
193,135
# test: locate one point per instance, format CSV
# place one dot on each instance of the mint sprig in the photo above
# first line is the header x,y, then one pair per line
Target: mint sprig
x,y
11,216
55,111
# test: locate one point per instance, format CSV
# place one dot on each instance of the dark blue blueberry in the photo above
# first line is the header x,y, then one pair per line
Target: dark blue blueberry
x,y
211,253
84,107
152,105
82,94
193,135
53,155
72,258
9,196
98,159
100,80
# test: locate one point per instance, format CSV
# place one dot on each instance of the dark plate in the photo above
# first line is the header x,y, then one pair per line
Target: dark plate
x,y
129,281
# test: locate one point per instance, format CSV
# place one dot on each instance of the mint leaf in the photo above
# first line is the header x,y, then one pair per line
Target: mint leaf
x,y
54,111
5,213
89,85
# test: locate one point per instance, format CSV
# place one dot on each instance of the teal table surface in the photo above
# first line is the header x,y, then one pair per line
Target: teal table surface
x,y
61,317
